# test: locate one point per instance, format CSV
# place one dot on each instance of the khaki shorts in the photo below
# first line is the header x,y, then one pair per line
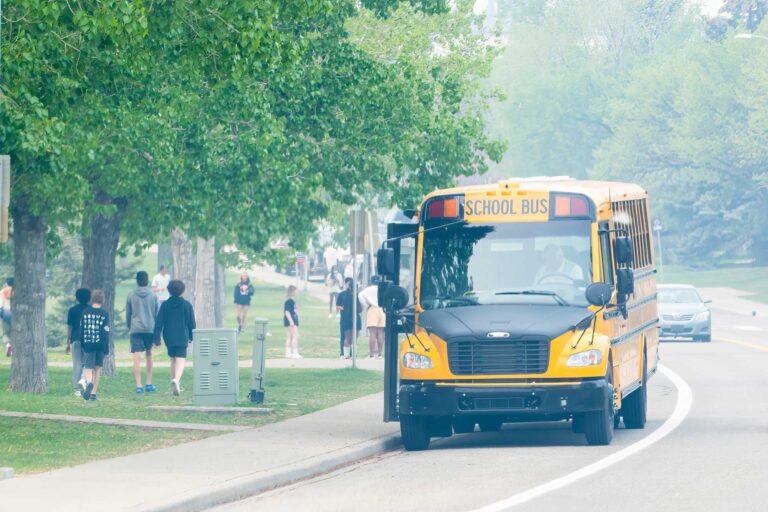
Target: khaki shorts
x,y
375,317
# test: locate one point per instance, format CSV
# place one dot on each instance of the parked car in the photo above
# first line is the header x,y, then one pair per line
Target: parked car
x,y
683,313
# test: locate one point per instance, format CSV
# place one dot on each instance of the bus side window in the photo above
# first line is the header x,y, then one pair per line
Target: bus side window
x,y
407,266
607,257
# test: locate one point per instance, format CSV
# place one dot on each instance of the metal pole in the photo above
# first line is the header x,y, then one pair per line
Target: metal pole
x,y
257,369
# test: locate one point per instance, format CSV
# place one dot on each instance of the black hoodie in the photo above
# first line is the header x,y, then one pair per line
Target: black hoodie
x,y
175,321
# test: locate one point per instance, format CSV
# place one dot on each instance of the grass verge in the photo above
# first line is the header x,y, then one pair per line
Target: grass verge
x,y
752,280
289,393
32,446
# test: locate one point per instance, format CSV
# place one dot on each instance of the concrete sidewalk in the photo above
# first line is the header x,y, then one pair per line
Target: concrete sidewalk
x,y
202,474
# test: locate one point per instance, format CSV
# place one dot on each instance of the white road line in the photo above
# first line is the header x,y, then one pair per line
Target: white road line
x,y
682,408
750,328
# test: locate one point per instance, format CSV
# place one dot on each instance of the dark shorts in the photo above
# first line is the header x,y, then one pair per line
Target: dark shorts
x,y
177,351
93,359
141,342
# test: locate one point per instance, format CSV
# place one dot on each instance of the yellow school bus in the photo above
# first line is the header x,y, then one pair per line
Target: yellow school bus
x,y
525,300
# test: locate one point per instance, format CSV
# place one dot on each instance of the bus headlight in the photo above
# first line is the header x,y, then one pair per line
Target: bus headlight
x,y
417,361
587,358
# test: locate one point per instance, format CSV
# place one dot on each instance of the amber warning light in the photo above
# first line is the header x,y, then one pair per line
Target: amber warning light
x,y
443,208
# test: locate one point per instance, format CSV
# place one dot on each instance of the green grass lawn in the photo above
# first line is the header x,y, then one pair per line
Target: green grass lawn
x,y
32,446
36,445
289,392
753,280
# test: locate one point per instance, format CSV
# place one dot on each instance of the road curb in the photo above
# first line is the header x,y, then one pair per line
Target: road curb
x,y
248,486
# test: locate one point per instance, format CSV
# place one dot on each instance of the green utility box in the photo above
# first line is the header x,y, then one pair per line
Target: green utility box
x,y
215,366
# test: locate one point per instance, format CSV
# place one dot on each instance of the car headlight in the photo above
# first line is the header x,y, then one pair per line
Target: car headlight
x,y
417,361
587,358
702,315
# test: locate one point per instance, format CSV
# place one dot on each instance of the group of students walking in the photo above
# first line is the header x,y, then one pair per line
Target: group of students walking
x,y
150,313
342,299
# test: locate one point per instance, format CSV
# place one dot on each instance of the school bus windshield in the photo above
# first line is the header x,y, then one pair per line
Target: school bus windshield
x,y
502,263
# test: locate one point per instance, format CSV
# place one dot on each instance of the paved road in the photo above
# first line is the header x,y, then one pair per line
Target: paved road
x,y
717,459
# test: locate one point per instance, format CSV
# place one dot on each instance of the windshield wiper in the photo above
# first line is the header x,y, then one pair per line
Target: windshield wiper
x,y
555,296
461,300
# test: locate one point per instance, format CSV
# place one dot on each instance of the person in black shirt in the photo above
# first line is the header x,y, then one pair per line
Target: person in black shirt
x,y
291,322
94,338
345,304
176,321
83,296
243,293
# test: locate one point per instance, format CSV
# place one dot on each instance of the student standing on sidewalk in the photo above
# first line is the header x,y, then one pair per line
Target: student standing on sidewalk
x,y
83,296
243,293
94,339
291,322
140,313
345,304
374,317
175,321
334,284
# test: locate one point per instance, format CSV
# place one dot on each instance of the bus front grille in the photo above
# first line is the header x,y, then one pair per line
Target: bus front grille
x,y
498,357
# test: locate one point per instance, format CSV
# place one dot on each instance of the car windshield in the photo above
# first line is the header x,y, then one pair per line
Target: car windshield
x,y
678,295
501,263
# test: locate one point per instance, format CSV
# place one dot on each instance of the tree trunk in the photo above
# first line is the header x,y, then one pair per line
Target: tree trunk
x,y
164,257
29,364
99,253
184,262
221,295
205,287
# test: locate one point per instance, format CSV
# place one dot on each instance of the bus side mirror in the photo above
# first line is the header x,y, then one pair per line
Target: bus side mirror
x,y
625,282
381,291
599,294
622,250
395,298
385,262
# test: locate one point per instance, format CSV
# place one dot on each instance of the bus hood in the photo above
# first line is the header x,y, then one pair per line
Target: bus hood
x,y
516,320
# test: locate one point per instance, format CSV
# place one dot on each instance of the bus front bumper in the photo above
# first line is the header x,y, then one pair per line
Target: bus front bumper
x,y
529,402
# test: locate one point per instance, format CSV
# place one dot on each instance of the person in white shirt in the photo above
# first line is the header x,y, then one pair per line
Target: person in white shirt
x,y
160,285
556,268
374,317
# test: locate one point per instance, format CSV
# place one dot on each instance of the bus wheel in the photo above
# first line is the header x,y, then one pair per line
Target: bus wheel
x,y
463,425
634,408
415,432
598,425
490,424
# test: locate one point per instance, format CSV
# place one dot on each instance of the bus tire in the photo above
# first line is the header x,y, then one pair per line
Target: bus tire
x,y
634,408
598,425
415,432
490,424
463,425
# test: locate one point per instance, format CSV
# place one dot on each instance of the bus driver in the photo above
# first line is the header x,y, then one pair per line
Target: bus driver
x,y
556,265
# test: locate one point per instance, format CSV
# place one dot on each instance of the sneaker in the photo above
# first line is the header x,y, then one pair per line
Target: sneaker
x,y
341,356
81,386
288,354
330,315
92,399
87,392
78,392
150,388
371,356
296,355
379,356
139,390
175,387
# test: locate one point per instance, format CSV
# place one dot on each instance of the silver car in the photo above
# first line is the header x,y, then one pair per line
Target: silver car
x,y
683,313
